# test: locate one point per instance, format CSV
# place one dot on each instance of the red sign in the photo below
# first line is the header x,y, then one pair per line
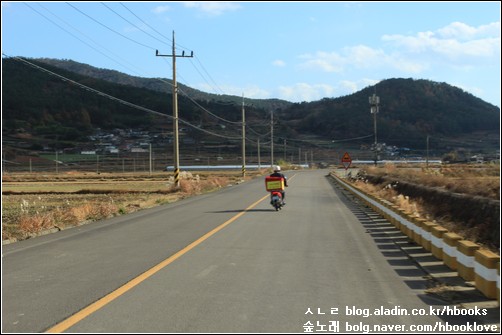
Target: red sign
x,y
346,160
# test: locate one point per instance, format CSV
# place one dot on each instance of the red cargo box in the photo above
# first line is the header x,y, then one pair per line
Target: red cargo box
x,y
274,184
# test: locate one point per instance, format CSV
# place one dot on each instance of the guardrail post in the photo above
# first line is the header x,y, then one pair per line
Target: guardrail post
x,y
427,237
486,273
405,228
450,249
395,221
437,241
465,259
419,223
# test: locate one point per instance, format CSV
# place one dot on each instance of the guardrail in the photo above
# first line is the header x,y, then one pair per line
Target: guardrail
x,y
471,262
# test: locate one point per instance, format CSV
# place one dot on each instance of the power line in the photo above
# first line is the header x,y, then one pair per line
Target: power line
x,y
204,109
203,68
123,18
103,25
68,24
139,43
351,139
167,38
185,94
129,104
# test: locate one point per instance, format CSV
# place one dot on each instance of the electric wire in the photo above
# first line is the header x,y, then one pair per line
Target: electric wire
x,y
186,94
146,24
203,68
116,32
89,38
123,18
129,104
183,92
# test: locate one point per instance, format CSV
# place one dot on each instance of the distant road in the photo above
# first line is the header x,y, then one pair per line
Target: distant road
x,y
220,262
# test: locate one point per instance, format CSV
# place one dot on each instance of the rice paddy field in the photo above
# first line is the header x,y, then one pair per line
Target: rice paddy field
x,y
34,204
465,199
37,203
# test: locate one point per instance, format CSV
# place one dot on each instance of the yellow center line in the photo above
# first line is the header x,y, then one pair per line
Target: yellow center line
x,y
82,314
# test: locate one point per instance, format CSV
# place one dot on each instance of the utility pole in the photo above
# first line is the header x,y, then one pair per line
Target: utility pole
x,y
150,160
259,158
243,139
427,157
271,138
374,103
284,149
175,113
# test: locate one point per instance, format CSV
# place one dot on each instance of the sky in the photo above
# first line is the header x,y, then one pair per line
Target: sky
x,y
296,51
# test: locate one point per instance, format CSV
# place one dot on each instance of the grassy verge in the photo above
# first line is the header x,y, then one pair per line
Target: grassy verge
x,y
464,199
33,204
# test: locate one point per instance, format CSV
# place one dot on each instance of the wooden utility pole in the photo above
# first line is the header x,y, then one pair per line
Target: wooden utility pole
x,y
272,139
175,113
243,139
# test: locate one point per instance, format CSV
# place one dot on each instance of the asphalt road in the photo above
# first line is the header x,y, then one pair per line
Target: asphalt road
x,y
223,262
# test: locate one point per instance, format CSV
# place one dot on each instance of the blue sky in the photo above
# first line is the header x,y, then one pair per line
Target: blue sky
x,y
297,51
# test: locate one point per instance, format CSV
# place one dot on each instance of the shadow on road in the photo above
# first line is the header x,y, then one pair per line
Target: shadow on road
x,y
419,269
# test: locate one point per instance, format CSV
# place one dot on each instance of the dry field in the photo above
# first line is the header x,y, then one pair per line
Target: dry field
x,y
476,180
465,199
35,204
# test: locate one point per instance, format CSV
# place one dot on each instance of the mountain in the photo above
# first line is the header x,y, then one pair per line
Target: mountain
x,y
46,100
410,110
157,84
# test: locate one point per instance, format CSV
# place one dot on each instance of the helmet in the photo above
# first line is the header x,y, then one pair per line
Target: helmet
x,y
277,168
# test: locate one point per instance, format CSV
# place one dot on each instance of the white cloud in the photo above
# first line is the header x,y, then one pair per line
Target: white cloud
x,y
212,8
476,91
255,92
462,31
358,57
456,30
312,92
324,61
250,91
453,41
457,45
279,63
362,56
305,92
160,9
406,64
348,87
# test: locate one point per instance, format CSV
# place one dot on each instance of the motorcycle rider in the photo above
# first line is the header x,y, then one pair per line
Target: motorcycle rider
x,y
277,173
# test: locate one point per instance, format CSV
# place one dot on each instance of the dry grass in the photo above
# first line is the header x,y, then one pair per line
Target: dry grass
x,y
388,193
35,203
475,181
482,180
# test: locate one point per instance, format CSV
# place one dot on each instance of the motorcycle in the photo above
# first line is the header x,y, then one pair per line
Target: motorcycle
x,y
275,185
276,200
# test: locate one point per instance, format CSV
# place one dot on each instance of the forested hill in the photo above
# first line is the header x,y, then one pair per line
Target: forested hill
x,y
409,110
157,84
44,104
